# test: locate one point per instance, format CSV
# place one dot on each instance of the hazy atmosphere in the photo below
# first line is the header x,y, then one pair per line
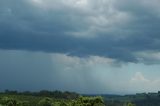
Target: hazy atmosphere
x,y
86,46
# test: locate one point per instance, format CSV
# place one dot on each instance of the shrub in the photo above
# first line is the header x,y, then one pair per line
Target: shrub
x,y
45,102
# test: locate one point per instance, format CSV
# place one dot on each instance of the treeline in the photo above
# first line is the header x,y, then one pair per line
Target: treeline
x,y
147,99
46,101
56,98
139,99
45,93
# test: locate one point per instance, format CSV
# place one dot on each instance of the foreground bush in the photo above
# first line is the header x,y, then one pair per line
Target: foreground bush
x,y
45,102
89,101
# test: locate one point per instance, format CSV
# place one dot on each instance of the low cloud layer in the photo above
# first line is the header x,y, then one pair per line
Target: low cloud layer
x,y
106,28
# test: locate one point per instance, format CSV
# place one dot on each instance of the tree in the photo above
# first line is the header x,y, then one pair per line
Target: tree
x,y
129,104
89,101
9,101
45,102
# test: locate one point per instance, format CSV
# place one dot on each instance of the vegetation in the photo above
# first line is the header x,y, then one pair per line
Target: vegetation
x,y
58,98
47,98
140,99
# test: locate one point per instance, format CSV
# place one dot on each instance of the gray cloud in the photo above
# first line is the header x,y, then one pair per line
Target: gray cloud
x,y
114,29
37,71
21,70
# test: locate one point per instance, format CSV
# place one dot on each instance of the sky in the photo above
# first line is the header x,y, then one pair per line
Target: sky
x,y
85,46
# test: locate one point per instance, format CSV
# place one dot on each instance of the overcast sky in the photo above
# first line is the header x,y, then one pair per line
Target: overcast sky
x,y
86,46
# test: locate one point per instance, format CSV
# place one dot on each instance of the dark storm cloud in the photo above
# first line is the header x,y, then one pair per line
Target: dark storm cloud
x,y
115,29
